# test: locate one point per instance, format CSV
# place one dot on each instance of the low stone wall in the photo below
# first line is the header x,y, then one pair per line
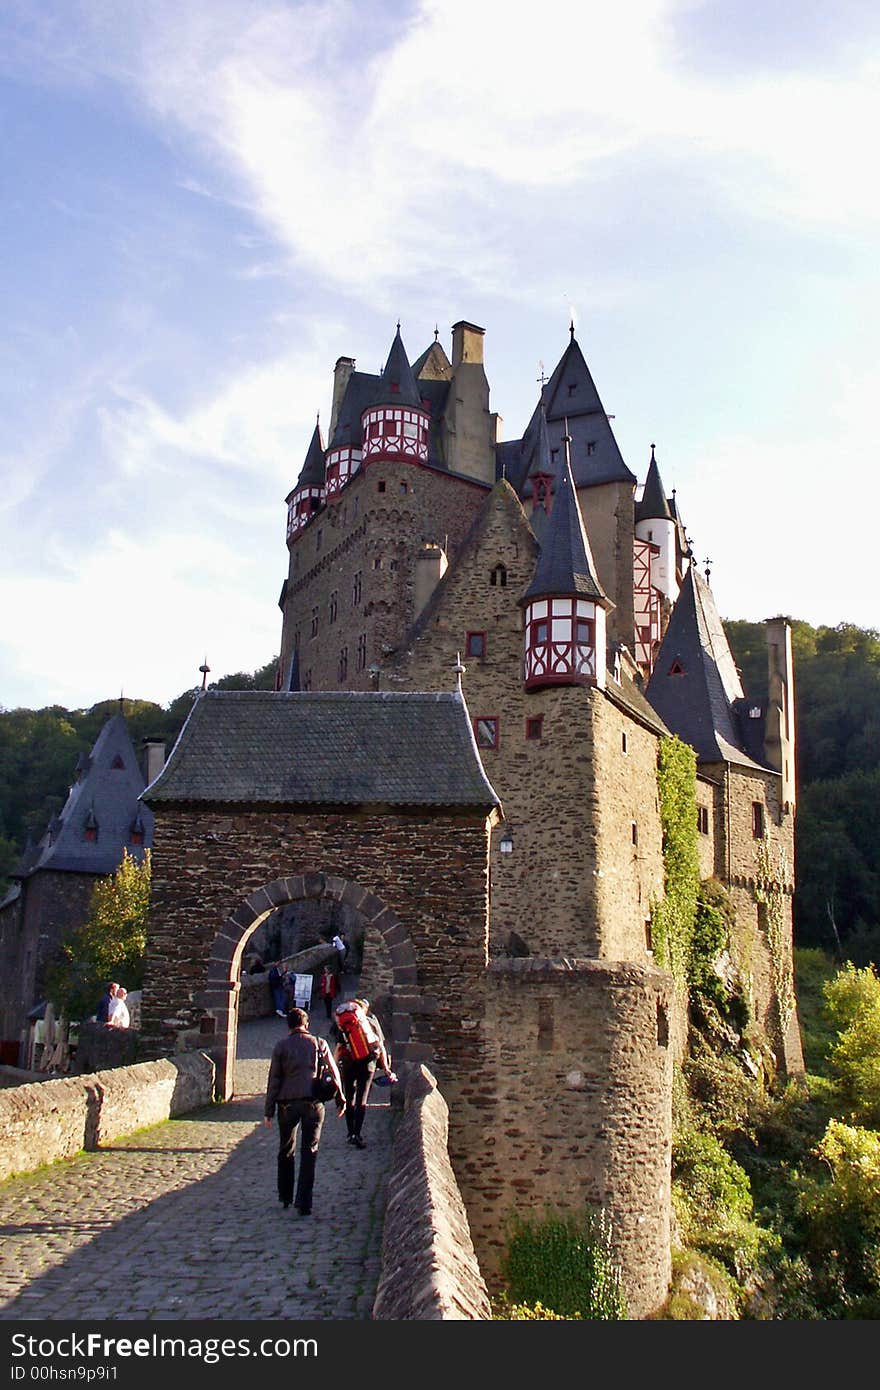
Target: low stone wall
x,y
429,1269
48,1120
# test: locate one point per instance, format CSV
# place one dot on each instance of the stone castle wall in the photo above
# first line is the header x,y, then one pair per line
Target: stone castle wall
x,y
51,904
570,1106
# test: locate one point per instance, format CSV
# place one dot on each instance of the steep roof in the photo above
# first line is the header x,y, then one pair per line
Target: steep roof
x,y
397,385
565,564
573,407
324,748
360,391
695,685
433,364
653,504
312,472
106,792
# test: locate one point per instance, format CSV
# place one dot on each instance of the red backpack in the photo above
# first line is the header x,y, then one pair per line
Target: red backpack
x,y
360,1036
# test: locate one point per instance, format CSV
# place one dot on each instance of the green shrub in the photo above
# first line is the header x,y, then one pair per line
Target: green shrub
x,y
852,1000
502,1310
564,1263
842,1215
713,1202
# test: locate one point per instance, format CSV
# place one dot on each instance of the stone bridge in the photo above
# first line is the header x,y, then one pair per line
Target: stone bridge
x,y
181,1220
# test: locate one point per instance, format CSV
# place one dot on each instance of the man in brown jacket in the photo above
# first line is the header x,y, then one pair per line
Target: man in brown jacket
x,y
297,1061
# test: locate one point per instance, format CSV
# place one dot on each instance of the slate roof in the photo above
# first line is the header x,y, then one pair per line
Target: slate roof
x,y
695,686
653,504
572,406
312,474
397,385
565,564
324,748
105,793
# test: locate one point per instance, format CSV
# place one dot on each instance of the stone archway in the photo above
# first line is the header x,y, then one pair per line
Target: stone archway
x,y
219,997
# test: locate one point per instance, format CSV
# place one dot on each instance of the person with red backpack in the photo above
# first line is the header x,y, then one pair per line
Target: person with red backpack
x,y
360,1048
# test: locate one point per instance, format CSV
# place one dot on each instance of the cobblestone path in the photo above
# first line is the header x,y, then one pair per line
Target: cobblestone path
x,y
182,1220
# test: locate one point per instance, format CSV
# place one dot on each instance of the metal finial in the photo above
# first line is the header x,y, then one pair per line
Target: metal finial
x,y
398,325
707,562
571,327
653,447
121,710
542,380
436,332
204,668
459,668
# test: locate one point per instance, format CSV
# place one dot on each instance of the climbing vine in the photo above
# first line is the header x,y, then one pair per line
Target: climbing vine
x,y
672,920
769,880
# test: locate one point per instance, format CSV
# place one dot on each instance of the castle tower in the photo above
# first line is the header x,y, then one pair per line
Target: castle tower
x,y
308,493
565,604
394,426
655,523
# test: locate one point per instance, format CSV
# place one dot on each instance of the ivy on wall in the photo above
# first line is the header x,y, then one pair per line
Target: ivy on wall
x,y
672,920
768,890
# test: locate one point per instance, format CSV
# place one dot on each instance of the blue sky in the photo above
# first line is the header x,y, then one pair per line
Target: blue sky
x,y
205,203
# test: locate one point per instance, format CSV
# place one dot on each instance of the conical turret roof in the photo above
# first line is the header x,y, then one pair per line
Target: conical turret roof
x,y
397,385
312,474
653,504
542,466
565,564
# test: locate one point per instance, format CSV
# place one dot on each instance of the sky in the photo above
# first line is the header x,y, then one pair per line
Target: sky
x,y
205,203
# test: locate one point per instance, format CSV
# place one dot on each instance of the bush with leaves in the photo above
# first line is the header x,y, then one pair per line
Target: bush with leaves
x,y
713,1203
564,1263
842,1213
852,1001
109,945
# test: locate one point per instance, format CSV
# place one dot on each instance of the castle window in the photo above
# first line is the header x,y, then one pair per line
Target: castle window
x,y
362,651
535,726
380,486
649,936
314,628
356,588
357,506
90,828
676,669
486,732
343,663
498,576
591,447
635,833
703,820
307,680
623,741
404,489
475,644
393,565
554,454
377,563
117,764
395,388
758,820
572,387
318,537
136,834
334,606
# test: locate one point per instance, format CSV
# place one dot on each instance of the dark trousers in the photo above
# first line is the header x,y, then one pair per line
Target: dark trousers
x,y
328,1003
357,1078
309,1115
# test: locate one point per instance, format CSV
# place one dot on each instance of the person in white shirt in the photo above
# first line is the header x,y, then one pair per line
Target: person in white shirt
x,y
119,1016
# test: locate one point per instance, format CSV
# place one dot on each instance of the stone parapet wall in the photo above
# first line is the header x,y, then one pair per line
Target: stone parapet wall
x,y
48,1120
429,1268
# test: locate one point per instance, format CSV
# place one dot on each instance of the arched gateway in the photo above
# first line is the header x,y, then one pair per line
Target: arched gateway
x,y
375,800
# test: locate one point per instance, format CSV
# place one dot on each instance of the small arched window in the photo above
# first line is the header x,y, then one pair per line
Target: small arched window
x,y
498,576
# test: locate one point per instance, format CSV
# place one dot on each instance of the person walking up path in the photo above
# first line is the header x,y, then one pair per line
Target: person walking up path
x,y
181,1220
297,1062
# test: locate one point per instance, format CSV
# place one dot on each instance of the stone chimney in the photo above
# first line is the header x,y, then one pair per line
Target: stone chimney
x,y
467,343
430,568
154,758
341,374
779,733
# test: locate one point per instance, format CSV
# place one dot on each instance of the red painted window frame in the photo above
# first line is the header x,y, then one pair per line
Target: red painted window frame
x,y
467,644
486,719
531,721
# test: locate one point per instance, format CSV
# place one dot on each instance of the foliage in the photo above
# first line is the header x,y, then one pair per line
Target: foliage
x,y
110,945
713,1203
813,969
698,1285
564,1262
837,690
769,878
502,1310
672,920
853,1006
843,1220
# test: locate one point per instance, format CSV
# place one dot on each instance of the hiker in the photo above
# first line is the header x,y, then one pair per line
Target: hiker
x,y
118,1016
341,950
102,1013
360,1047
328,988
297,1061
277,987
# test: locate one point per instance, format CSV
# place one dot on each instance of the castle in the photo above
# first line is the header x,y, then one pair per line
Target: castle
x,y
585,632
486,647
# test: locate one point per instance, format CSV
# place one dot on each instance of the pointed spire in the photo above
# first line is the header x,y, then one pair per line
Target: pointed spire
x,y
398,385
312,474
653,504
565,564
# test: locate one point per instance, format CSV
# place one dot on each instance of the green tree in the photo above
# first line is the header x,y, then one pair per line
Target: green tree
x,y
110,944
852,1001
